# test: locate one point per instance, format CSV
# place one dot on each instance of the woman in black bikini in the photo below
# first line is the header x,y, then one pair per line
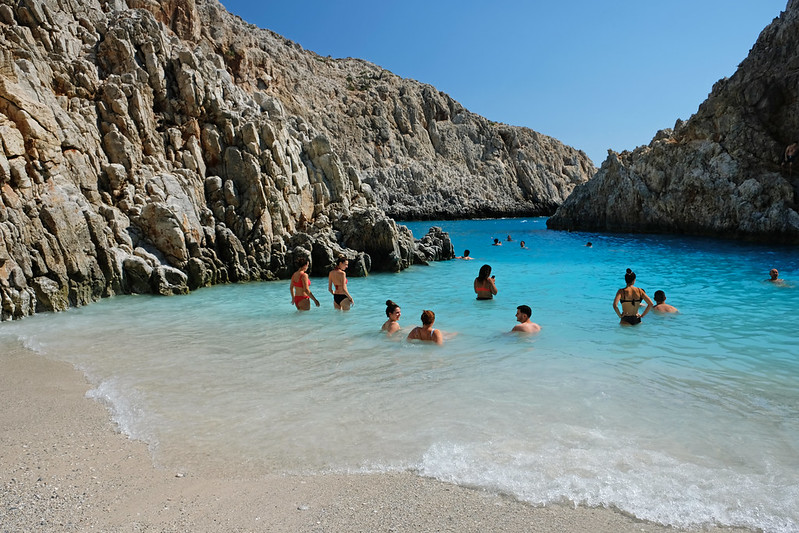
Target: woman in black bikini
x,y
631,298
338,279
484,285
426,332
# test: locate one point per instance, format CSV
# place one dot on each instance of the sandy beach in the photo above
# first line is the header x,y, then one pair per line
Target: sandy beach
x,y
64,467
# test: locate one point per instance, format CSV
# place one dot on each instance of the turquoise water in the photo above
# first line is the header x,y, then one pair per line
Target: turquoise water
x,y
684,420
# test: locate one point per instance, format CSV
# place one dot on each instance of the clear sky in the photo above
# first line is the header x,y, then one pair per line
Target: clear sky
x,y
594,74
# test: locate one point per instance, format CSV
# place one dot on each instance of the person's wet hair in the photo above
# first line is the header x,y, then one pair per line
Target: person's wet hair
x,y
629,277
660,296
466,253
485,271
428,317
390,307
525,309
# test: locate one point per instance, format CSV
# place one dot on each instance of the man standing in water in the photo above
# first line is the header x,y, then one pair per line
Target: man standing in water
x,y
523,313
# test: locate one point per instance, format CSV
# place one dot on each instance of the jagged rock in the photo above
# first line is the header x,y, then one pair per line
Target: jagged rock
x,y
717,173
157,147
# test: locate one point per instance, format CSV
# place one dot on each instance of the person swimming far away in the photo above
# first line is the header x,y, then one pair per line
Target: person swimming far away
x,y
338,279
426,332
523,314
660,306
497,242
774,276
393,312
631,298
465,256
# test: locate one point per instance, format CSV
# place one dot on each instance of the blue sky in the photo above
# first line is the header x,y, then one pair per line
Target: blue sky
x,y
593,74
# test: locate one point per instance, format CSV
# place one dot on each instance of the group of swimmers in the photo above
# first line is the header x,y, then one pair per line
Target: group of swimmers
x,y
630,297
300,287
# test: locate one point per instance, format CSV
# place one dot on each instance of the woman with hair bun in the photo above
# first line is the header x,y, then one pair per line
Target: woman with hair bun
x,y
426,332
631,298
393,313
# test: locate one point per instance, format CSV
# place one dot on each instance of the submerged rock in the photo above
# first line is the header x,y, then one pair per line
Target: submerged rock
x,y
718,173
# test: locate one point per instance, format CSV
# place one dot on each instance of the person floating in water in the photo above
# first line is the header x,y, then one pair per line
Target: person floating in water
x,y
426,332
338,279
465,256
509,239
497,242
484,285
631,298
774,276
660,306
393,312
523,245
300,287
789,156
523,313
589,245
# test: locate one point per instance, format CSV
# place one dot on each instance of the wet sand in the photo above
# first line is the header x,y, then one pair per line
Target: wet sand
x,y
65,467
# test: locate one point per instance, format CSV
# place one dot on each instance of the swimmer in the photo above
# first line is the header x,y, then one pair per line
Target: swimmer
x,y
300,287
426,332
631,298
523,313
661,307
509,239
465,256
774,276
524,246
338,278
497,243
484,286
589,245
391,326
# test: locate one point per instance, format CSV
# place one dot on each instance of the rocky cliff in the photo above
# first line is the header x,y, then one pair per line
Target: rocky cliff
x,y
164,146
719,172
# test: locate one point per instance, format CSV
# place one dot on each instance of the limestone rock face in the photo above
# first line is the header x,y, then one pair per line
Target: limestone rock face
x,y
719,172
163,146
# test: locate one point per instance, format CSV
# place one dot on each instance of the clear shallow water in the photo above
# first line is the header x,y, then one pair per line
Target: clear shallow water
x,y
684,420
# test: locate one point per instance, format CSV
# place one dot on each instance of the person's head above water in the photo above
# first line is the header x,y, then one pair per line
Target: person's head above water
x,y
629,277
391,307
466,253
660,297
428,317
525,310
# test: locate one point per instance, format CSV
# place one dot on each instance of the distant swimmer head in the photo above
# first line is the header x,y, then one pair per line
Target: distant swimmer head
x,y
428,317
391,307
660,297
466,253
629,277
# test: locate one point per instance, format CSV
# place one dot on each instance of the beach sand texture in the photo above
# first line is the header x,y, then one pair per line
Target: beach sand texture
x,y
64,467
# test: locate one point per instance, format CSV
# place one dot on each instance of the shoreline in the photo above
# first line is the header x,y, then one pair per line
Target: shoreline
x,y
65,467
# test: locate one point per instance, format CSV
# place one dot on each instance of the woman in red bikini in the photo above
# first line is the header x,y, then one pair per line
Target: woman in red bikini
x,y
484,285
300,287
338,278
631,298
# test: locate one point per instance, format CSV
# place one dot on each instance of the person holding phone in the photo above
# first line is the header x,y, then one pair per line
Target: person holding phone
x,y
484,286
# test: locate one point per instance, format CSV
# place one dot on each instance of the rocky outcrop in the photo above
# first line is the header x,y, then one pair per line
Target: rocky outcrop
x,y
718,173
131,161
415,150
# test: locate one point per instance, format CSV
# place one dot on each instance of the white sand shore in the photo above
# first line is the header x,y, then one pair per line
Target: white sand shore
x,y
63,467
